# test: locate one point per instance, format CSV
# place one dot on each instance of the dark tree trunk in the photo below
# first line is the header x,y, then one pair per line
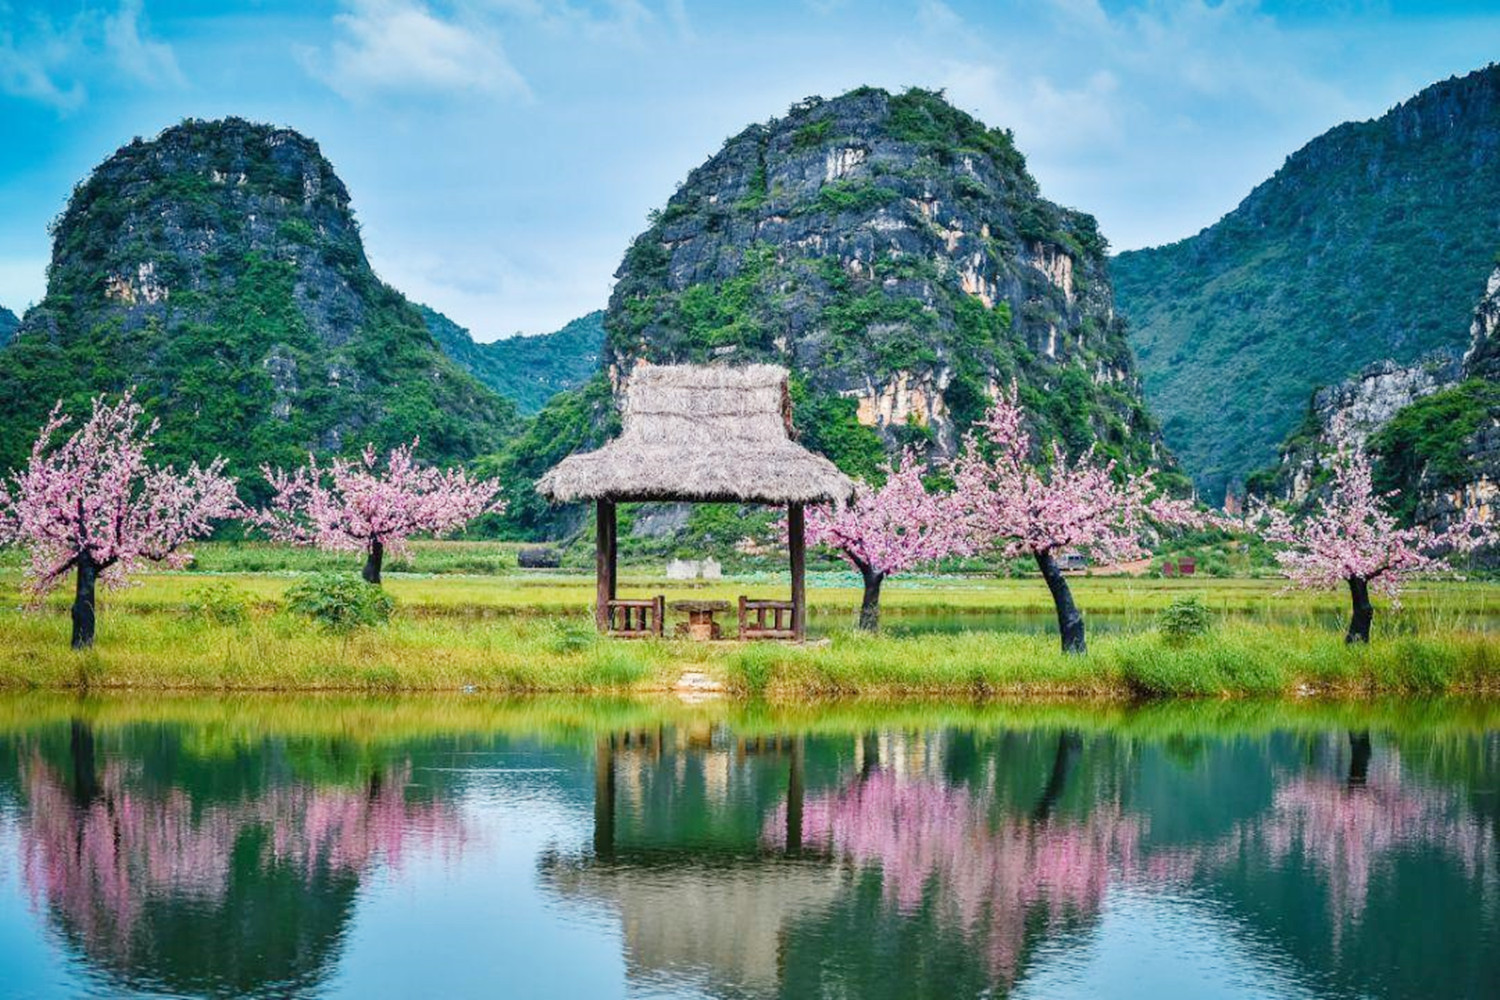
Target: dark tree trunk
x,y
1068,747
870,752
1364,611
85,775
372,563
1069,618
869,609
1359,758
83,602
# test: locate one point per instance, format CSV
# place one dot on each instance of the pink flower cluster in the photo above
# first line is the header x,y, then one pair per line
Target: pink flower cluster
x,y
1021,508
892,528
1351,535
95,497
352,505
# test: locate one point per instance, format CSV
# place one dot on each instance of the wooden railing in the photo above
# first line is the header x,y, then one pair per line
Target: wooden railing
x,y
637,619
772,619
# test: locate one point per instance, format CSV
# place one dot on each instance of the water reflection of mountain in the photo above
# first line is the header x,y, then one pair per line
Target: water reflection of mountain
x,y
207,879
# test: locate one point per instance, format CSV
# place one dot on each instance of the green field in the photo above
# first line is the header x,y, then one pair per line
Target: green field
x,y
514,631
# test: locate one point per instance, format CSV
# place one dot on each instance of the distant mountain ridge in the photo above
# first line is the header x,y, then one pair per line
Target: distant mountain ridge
x,y
526,369
1364,247
219,269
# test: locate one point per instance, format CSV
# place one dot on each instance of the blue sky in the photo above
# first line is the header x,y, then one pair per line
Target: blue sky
x,y
502,153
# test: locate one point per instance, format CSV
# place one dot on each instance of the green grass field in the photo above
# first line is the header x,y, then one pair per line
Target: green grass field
x,y
519,632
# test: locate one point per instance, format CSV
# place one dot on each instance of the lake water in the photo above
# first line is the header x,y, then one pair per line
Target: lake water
x,y
469,847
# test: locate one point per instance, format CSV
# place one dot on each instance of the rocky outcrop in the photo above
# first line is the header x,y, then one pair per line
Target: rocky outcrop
x,y
899,258
1433,429
1342,417
219,269
1483,357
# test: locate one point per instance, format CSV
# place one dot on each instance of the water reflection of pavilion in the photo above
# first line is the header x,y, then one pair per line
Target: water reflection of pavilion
x,y
677,852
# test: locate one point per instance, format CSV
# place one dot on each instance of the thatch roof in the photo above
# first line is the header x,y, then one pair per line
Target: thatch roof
x,y
699,433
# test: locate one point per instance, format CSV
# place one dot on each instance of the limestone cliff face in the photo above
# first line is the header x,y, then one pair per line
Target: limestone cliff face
x,y
1342,417
1477,489
219,269
1483,357
897,256
1433,428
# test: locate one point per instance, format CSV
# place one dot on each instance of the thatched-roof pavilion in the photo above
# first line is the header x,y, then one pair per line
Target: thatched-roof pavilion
x,y
701,434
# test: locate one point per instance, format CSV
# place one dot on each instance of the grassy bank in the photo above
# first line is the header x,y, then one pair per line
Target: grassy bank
x,y
537,654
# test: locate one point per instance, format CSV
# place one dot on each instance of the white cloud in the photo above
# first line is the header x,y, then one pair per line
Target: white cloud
x,y
404,47
149,61
47,61
1151,115
33,55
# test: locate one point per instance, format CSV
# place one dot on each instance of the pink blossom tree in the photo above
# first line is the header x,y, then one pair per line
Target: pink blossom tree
x,y
354,505
93,505
888,530
1018,507
1350,538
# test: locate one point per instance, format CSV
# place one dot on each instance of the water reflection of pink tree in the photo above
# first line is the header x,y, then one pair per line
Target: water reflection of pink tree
x,y
100,858
984,876
1344,828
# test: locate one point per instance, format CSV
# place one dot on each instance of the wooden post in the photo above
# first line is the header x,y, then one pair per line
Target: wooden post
x,y
604,562
797,539
794,795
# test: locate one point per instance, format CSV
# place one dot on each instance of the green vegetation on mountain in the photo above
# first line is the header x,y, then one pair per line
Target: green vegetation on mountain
x,y
8,324
219,269
1428,446
528,370
1366,245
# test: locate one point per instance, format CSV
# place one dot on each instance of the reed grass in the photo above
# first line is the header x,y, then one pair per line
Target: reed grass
x,y
275,651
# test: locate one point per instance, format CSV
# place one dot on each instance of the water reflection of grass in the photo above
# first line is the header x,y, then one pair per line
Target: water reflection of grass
x,y
274,651
224,723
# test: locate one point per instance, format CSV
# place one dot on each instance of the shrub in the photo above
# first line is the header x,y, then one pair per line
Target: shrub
x,y
569,635
340,603
1185,618
219,603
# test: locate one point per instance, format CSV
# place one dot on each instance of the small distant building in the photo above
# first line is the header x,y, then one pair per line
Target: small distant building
x,y
1075,562
695,569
